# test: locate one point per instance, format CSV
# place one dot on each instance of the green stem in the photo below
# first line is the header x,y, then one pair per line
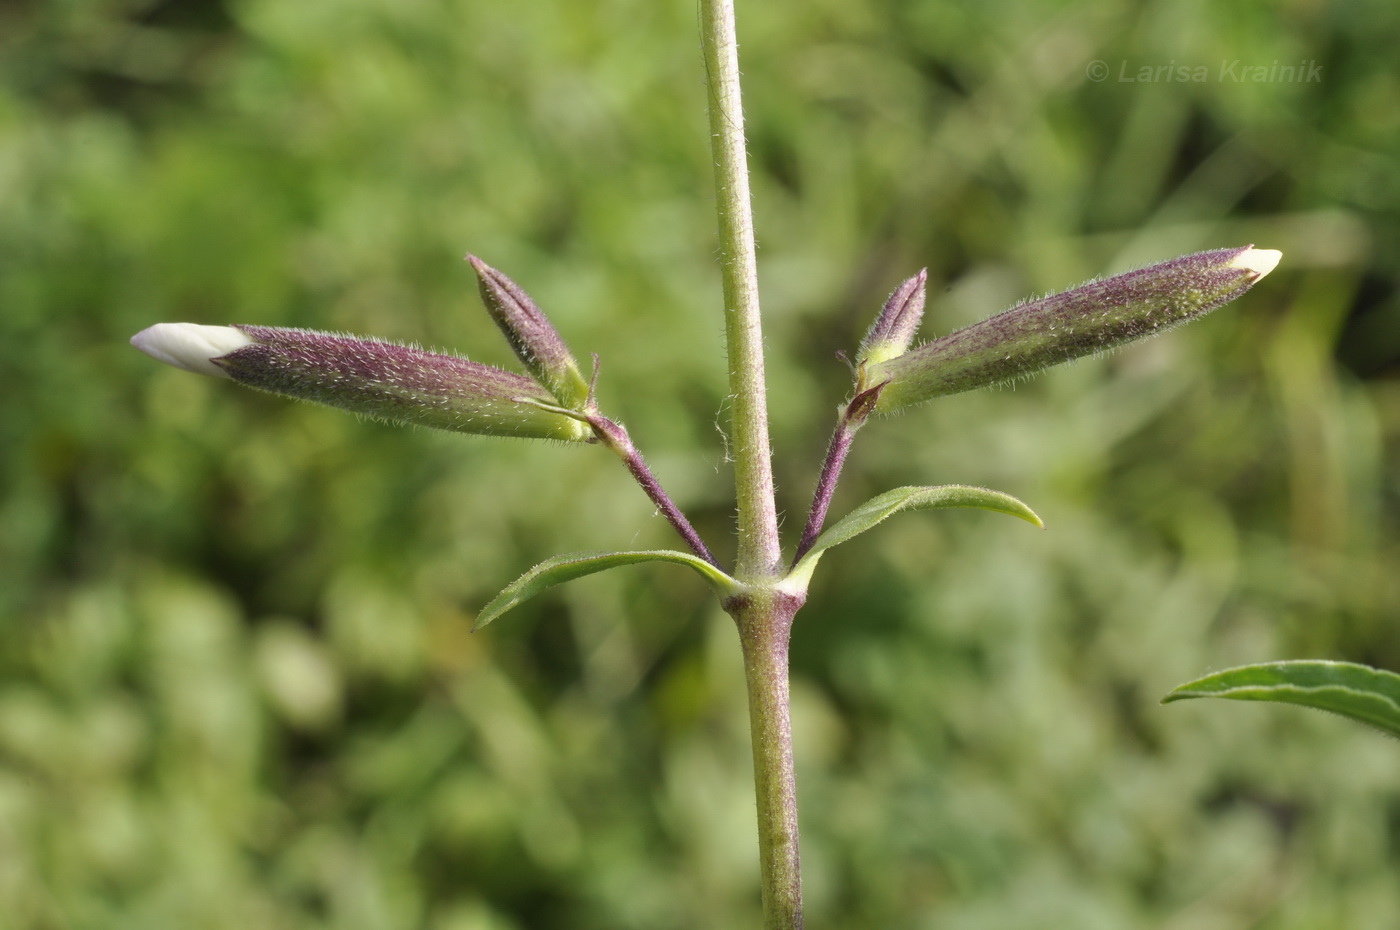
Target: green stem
x,y
759,548
763,613
765,623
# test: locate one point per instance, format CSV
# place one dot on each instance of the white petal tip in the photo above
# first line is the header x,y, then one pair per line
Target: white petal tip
x,y
1259,261
190,346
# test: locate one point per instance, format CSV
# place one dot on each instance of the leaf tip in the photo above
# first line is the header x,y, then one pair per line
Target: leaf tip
x,y
490,613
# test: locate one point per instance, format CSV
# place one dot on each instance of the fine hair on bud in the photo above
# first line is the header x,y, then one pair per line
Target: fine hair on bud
x,y
531,335
1093,317
401,384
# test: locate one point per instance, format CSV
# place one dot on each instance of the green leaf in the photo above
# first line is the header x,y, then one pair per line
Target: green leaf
x,y
877,509
562,568
1370,695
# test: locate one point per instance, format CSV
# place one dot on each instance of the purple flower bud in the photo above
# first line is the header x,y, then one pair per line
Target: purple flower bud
x,y
894,329
1091,318
391,382
532,336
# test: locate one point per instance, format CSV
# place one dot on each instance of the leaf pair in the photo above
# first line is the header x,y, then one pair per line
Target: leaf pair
x,y
873,512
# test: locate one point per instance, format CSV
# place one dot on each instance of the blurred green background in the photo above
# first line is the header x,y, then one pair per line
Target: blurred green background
x,y
236,683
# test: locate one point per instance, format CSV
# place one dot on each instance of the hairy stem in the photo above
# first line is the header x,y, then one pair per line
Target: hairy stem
x,y
614,436
765,623
826,485
852,418
764,614
759,549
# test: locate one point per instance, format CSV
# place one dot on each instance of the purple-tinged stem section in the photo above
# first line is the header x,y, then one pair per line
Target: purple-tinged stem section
x,y
851,419
826,485
615,437
888,337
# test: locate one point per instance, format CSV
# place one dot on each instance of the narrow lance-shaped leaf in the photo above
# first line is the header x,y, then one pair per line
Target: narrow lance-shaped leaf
x,y
534,339
1091,318
562,568
383,380
1369,695
883,506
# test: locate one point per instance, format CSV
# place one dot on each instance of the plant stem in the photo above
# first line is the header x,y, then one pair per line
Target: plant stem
x,y
759,548
765,625
826,484
614,436
763,613
851,419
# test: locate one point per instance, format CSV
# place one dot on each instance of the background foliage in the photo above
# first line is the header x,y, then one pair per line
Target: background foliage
x,y
236,687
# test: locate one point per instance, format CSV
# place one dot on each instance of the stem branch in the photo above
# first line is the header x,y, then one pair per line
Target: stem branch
x,y
852,418
614,436
826,484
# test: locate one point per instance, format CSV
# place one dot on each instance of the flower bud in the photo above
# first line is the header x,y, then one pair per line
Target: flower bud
x,y
190,346
892,332
532,336
383,380
1091,318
